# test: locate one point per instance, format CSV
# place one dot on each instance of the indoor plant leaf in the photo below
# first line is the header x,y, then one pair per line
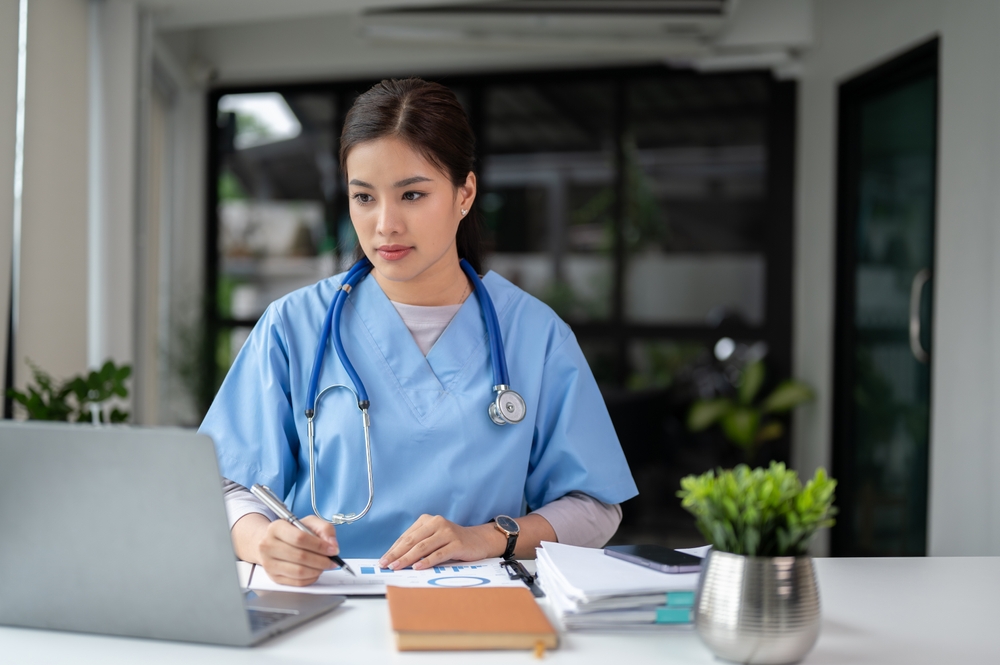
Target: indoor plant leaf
x,y
753,379
72,399
787,396
740,425
705,413
770,431
759,512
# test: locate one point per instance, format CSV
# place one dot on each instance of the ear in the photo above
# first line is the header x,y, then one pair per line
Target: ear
x,y
467,192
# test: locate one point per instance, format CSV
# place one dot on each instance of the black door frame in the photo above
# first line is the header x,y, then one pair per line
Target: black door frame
x,y
916,63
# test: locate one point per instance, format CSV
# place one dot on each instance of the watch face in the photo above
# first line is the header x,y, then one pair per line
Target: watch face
x,y
507,524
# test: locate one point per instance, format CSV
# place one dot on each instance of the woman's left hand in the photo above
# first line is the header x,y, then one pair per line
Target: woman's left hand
x,y
432,539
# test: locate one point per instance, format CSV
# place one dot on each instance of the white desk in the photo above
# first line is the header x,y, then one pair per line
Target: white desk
x,y
884,611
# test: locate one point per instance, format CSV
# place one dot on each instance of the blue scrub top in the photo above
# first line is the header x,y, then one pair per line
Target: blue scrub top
x,y
434,448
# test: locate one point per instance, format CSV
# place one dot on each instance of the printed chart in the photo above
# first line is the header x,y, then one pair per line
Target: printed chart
x,y
372,580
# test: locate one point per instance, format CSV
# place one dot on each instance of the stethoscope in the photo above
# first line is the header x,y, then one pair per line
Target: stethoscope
x,y
506,407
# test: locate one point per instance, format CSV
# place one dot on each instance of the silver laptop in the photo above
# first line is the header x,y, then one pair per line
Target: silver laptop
x,y
123,531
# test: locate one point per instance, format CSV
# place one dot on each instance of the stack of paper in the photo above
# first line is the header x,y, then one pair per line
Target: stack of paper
x,y
590,590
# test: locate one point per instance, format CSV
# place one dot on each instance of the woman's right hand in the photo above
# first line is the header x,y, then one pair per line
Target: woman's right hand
x,y
292,556
289,555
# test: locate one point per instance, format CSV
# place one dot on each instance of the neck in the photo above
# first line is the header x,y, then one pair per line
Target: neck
x,y
444,283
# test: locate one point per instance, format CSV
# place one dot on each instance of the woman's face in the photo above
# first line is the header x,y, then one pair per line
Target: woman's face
x,y
405,210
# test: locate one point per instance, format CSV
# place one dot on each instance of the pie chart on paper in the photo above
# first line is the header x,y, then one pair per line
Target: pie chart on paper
x,y
458,581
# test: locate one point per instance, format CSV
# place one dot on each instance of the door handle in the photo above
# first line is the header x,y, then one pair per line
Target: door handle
x,y
916,289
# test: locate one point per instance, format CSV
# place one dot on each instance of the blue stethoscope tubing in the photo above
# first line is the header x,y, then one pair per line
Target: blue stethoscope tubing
x,y
507,406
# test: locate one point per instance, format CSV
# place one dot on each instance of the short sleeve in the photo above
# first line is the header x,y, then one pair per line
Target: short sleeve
x,y
250,419
575,446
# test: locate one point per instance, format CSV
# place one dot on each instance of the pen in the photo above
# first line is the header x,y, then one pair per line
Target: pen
x,y
516,570
264,493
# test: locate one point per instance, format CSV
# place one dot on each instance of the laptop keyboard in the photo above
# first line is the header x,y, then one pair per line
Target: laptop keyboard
x,y
262,619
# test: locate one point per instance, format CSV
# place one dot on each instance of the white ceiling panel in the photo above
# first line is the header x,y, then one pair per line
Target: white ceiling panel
x,y
187,14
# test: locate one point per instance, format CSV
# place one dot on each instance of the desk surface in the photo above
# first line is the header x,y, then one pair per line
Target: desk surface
x,y
884,611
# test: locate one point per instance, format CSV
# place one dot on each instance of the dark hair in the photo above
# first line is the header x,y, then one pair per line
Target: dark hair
x,y
429,118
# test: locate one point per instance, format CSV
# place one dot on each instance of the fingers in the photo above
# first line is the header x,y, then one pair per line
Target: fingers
x,y
423,548
448,552
299,539
324,530
411,536
429,541
291,556
284,572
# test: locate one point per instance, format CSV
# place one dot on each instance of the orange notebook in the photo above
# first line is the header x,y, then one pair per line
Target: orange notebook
x,y
453,619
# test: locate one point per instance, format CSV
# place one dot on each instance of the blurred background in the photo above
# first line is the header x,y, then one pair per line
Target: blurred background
x,y
771,224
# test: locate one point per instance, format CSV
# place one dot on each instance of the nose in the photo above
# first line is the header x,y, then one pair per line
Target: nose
x,y
390,222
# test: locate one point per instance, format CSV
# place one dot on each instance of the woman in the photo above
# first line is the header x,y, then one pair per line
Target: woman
x,y
415,332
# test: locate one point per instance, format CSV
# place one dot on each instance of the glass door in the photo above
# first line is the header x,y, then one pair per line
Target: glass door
x,y
885,255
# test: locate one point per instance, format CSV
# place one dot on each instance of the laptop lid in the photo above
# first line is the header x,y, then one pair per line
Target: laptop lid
x,y
116,530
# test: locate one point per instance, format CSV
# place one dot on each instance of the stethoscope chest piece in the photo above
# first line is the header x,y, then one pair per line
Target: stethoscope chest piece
x,y
508,407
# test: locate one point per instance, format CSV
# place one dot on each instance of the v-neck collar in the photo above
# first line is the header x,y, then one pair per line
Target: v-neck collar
x,y
424,381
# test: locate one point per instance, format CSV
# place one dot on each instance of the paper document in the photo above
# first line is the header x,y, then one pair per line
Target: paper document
x,y
589,590
586,574
372,580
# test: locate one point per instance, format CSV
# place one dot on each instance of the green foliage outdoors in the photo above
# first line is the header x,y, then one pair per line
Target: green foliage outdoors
x,y
744,422
659,363
230,188
71,400
646,226
759,512
568,304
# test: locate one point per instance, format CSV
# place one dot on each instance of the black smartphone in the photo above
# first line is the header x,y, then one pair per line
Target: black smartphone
x,y
662,559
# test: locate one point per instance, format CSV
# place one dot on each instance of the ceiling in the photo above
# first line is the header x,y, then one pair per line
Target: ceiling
x,y
266,40
512,14
188,14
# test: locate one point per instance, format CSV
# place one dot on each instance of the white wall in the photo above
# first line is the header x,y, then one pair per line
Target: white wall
x,y
851,36
53,313
965,439
118,23
181,239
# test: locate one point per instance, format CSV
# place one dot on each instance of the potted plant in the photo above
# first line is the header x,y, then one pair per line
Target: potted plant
x,y
748,420
757,597
80,398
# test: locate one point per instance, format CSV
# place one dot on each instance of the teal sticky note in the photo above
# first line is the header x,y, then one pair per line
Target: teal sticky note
x,y
680,599
674,615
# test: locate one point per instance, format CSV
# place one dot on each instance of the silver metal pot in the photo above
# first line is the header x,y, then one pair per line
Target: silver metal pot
x,y
761,610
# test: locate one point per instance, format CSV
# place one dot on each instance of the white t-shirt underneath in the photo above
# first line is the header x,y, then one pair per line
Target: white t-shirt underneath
x,y
426,324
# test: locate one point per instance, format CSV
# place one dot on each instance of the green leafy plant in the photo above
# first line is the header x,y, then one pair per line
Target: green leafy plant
x,y
74,399
744,422
759,512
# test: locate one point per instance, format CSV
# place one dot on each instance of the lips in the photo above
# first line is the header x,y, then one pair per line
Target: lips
x,y
393,252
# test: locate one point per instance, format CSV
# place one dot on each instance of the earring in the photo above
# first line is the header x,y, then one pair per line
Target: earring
x,y
464,211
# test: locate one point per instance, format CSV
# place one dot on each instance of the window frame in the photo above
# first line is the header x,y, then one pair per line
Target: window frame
x,y
778,241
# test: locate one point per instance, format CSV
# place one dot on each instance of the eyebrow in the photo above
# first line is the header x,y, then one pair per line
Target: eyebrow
x,y
401,183
410,181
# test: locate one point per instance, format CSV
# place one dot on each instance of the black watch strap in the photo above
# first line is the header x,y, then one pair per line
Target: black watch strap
x,y
508,553
510,528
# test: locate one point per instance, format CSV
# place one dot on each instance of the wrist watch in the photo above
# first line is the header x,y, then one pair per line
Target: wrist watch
x,y
508,527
